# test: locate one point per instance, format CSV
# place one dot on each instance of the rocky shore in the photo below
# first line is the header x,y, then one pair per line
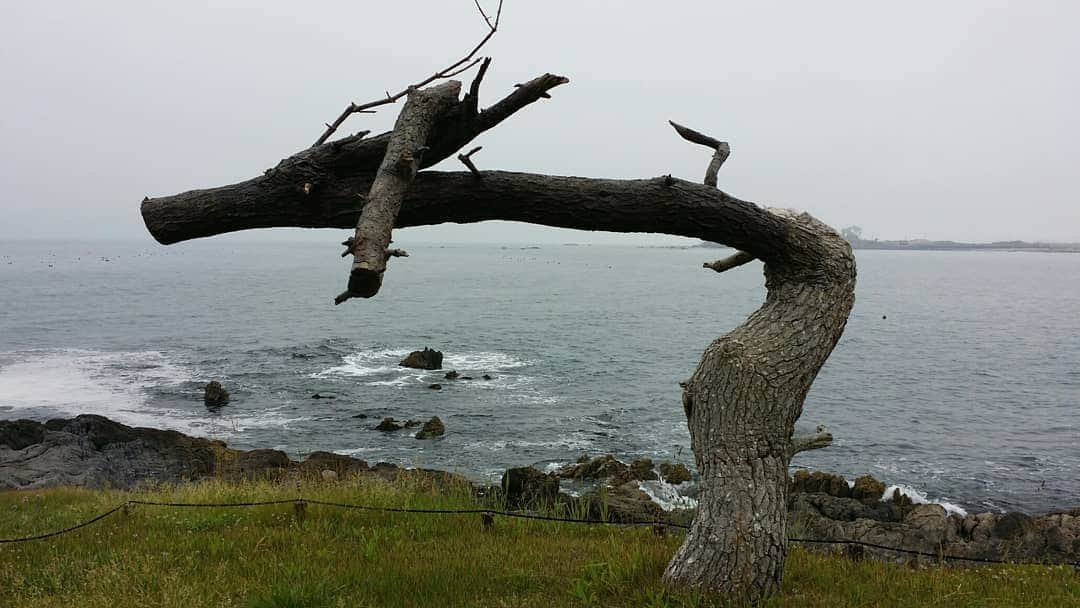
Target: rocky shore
x,y
94,451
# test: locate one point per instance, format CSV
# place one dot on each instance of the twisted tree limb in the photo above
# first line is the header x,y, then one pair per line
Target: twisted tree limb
x,y
408,142
815,441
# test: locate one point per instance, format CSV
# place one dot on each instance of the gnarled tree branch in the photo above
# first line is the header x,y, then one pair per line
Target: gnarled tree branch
x,y
408,141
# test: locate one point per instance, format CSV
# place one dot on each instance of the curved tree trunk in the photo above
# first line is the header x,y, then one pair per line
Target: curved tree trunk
x,y
743,399
741,404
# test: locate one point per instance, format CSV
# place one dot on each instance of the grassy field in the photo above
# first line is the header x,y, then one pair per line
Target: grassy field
x,y
266,557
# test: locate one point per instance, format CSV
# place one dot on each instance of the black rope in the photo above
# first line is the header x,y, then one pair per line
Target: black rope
x,y
65,530
214,504
512,514
942,556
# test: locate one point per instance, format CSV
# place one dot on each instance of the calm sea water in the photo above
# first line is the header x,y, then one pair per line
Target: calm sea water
x,y
958,375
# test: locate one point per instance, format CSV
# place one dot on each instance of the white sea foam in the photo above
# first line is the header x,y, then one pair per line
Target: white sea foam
x,y
381,366
920,498
666,495
112,384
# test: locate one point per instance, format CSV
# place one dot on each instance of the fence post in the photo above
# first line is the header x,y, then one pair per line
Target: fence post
x,y
487,520
300,511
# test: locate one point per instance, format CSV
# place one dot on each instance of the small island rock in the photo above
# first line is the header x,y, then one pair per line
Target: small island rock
x,y
423,359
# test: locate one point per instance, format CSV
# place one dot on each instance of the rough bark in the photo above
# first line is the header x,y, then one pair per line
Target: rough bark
x,y
406,147
743,399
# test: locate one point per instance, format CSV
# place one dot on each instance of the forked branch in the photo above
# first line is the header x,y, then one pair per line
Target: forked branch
x,y
459,66
721,151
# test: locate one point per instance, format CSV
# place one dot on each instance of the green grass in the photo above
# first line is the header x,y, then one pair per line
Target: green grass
x,y
264,557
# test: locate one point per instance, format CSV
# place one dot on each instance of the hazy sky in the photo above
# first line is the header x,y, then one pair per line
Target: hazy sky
x,y
911,119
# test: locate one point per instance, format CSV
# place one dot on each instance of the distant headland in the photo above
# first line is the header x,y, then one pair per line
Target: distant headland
x,y
853,234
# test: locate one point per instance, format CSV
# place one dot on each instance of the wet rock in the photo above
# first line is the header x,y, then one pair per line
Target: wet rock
x,y
838,509
642,470
600,467
528,487
360,416
17,434
432,428
486,377
466,377
674,473
868,489
451,375
624,502
423,359
413,423
215,395
435,387
387,425
322,396
900,499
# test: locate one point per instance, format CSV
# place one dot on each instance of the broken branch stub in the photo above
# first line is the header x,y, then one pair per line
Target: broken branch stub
x,y
399,166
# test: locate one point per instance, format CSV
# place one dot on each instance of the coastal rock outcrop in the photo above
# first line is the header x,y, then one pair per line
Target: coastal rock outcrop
x,y
431,429
423,359
819,513
215,395
674,473
95,452
528,487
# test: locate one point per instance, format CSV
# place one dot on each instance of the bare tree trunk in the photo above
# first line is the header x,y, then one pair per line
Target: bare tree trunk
x,y
743,399
742,403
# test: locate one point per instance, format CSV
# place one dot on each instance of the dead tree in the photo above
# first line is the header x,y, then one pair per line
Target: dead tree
x,y
742,401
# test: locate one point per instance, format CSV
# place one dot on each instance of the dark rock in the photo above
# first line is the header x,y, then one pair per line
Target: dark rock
x,y
818,481
329,461
1011,525
321,396
466,377
486,377
528,487
624,503
388,425
868,489
435,387
451,375
360,416
423,359
900,499
642,469
17,434
93,451
674,473
413,423
600,467
215,395
432,428
839,509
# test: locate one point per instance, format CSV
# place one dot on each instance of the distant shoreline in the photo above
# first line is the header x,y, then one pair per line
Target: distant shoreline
x,y
925,245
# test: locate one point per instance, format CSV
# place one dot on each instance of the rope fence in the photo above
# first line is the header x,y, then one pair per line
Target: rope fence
x,y
488,515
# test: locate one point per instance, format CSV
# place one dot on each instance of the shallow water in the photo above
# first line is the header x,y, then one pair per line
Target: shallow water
x,y
958,374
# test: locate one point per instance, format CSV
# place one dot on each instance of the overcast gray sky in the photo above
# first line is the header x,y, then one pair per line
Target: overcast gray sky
x,y
911,119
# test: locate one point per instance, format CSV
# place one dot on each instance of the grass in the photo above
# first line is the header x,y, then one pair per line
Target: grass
x,y
263,557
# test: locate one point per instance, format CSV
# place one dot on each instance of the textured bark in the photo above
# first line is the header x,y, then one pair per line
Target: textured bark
x,y
406,147
742,403
743,399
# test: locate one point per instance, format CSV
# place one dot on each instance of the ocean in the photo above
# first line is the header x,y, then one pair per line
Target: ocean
x,y
957,379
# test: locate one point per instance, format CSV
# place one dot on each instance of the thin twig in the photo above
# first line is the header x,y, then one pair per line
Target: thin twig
x,y
451,70
467,161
